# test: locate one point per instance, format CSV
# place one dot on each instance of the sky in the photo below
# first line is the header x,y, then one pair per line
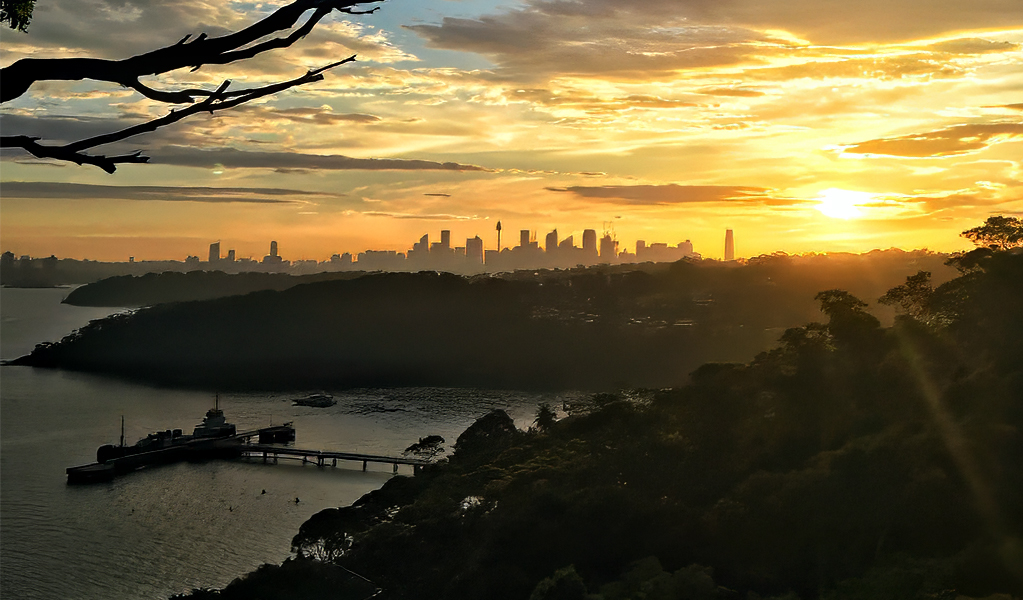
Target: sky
x,y
804,126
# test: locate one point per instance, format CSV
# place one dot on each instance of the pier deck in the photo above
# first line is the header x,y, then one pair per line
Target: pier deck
x,y
320,457
239,444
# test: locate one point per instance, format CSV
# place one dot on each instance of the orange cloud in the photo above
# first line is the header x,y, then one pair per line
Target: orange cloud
x,y
951,141
660,195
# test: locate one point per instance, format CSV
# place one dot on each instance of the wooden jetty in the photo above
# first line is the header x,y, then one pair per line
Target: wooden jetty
x,y
240,444
270,452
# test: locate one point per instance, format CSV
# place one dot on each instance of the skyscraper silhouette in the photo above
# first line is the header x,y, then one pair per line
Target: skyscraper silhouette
x,y
474,250
729,245
590,243
551,242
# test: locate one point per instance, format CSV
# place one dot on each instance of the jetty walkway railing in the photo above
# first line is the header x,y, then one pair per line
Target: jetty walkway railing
x,y
270,452
239,444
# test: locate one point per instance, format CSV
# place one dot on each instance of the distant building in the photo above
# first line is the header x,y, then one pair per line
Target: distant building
x,y
230,256
608,249
551,242
272,258
590,243
214,252
524,238
474,250
420,250
729,245
661,252
380,260
567,244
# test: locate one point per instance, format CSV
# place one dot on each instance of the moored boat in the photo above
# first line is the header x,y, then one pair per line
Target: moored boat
x,y
214,426
320,400
90,473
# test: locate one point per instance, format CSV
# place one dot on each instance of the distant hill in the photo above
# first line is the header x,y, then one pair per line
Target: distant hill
x,y
157,288
594,328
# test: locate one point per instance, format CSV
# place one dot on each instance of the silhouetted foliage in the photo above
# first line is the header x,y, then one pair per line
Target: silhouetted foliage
x,y
546,417
296,579
998,232
850,462
16,14
564,584
158,288
913,297
595,328
428,447
490,432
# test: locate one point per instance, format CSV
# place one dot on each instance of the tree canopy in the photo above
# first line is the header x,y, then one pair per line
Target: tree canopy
x,y
16,14
999,231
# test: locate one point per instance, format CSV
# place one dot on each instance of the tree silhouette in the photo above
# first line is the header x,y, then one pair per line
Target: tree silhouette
x,y
428,447
16,13
911,298
246,43
998,232
546,416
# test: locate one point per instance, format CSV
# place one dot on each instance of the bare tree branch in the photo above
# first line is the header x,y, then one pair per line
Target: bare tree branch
x,y
107,163
220,99
17,78
21,75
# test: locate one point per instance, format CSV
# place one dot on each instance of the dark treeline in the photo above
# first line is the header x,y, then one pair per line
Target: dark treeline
x,y
54,272
867,274
594,328
853,461
169,286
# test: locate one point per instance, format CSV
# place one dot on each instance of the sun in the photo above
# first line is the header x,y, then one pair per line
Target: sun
x,y
842,204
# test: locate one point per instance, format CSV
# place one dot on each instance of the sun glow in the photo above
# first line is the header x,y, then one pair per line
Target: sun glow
x,y
842,204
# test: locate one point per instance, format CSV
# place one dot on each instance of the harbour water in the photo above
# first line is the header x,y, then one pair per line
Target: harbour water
x,y
169,529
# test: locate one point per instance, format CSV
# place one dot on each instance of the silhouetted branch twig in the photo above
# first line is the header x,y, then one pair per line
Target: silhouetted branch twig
x,y
107,163
220,99
19,76
203,50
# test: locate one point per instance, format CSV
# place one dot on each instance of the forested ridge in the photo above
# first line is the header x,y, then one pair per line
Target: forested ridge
x,y
594,328
852,461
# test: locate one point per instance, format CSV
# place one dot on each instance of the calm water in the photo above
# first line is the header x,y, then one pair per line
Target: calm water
x,y
163,530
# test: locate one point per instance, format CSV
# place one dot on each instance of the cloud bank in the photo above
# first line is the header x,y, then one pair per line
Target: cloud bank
x,y
83,191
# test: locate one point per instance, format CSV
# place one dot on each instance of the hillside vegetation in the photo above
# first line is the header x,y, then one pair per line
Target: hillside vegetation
x,y
596,328
853,461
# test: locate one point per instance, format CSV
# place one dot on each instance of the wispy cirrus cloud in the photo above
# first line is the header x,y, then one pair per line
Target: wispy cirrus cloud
x,y
417,217
150,193
661,195
229,157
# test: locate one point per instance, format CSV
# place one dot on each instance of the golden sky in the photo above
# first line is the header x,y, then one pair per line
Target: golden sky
x,y
803,126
